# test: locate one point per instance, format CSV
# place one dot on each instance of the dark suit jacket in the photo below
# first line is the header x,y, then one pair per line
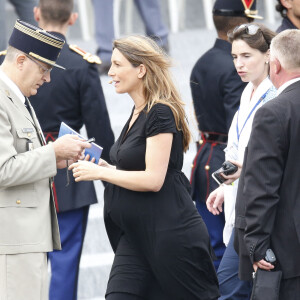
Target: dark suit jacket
x,y
268,201
75,97
286,24
216,91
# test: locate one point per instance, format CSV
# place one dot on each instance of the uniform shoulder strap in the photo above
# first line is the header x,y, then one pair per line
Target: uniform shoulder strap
x,y
92,59
3,52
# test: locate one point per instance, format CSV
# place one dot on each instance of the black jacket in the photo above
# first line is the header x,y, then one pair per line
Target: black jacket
x,y
75,97
286,24
268,200
216,91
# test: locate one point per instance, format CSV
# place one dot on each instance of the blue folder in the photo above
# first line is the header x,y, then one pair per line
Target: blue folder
x,y
95,151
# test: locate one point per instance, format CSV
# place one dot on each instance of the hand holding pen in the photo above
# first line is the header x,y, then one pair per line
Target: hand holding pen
x,y
91,140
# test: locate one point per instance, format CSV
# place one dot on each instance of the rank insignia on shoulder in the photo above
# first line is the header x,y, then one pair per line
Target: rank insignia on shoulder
x,y
3,52
93,59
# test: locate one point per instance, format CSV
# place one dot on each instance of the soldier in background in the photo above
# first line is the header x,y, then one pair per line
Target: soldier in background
x,y
290,12
216,91
75,97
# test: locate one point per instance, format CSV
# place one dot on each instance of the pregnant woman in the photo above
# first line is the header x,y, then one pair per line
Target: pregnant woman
x,y
162,248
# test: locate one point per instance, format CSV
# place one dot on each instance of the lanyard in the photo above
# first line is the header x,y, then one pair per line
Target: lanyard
x,y
238,133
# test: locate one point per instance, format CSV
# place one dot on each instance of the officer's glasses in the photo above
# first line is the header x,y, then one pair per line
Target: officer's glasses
x,y
250,29
45,70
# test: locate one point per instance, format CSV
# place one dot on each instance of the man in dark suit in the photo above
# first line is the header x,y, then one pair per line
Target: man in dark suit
x,y
268,202
75,97
216,91
290,12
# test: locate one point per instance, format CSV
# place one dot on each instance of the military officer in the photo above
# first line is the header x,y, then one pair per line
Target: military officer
x,y
28,222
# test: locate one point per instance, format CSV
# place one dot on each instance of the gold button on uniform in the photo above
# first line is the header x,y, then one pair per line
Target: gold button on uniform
x,y
201,142
207,167
18,201
29,134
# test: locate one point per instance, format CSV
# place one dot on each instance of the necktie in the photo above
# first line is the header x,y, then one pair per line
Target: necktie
x,y
27,105
43,142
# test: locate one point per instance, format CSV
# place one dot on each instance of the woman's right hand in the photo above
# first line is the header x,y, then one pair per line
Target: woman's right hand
x,y
105,164
101,162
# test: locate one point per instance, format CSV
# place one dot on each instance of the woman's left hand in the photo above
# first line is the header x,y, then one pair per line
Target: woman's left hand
x,y
85,171
233,177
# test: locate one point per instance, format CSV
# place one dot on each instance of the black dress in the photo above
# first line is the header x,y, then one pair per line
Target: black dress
x,y
160,240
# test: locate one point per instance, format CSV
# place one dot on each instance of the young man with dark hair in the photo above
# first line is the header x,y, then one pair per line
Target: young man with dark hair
x,y
216,91
75,97
290,12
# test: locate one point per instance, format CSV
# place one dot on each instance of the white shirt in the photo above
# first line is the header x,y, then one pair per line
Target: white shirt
x,y
236,147
12,86
286,84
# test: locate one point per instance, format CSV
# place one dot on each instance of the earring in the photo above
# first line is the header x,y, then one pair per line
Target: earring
x,y
267,62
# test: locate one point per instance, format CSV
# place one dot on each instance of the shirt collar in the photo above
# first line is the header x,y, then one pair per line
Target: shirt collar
x,y
286,84
12,86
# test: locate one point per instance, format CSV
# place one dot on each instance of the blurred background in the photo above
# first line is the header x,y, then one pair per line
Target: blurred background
x,y
191,34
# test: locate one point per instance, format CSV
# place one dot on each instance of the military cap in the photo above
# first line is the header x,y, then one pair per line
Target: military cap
x,y
36,42
236,8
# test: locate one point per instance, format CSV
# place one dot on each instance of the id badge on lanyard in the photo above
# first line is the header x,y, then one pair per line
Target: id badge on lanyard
x,y
239,132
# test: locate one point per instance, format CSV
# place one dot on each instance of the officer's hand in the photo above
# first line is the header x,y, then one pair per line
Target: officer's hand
x,y
215,200
69,147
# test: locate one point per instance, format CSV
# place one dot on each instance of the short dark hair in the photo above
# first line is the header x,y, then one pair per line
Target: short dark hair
x,y
56,11
281,9
261,40
224,24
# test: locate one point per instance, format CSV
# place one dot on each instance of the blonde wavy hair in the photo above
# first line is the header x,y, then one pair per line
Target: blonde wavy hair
x,y
158,83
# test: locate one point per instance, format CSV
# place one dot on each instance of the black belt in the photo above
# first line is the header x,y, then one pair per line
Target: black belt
x,y
214,137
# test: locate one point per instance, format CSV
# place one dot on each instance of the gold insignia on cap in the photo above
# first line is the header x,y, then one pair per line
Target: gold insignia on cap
x,y
248,12
37,34
47,61
253,14
93,59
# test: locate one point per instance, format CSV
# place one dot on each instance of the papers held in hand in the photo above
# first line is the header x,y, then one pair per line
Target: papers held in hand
x,y
95,151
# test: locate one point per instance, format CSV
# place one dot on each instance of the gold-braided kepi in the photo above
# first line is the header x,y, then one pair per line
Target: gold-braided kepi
x,y
248,12
236,8
36,42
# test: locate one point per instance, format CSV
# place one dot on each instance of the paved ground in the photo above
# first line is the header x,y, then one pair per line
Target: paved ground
x,y
186,47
